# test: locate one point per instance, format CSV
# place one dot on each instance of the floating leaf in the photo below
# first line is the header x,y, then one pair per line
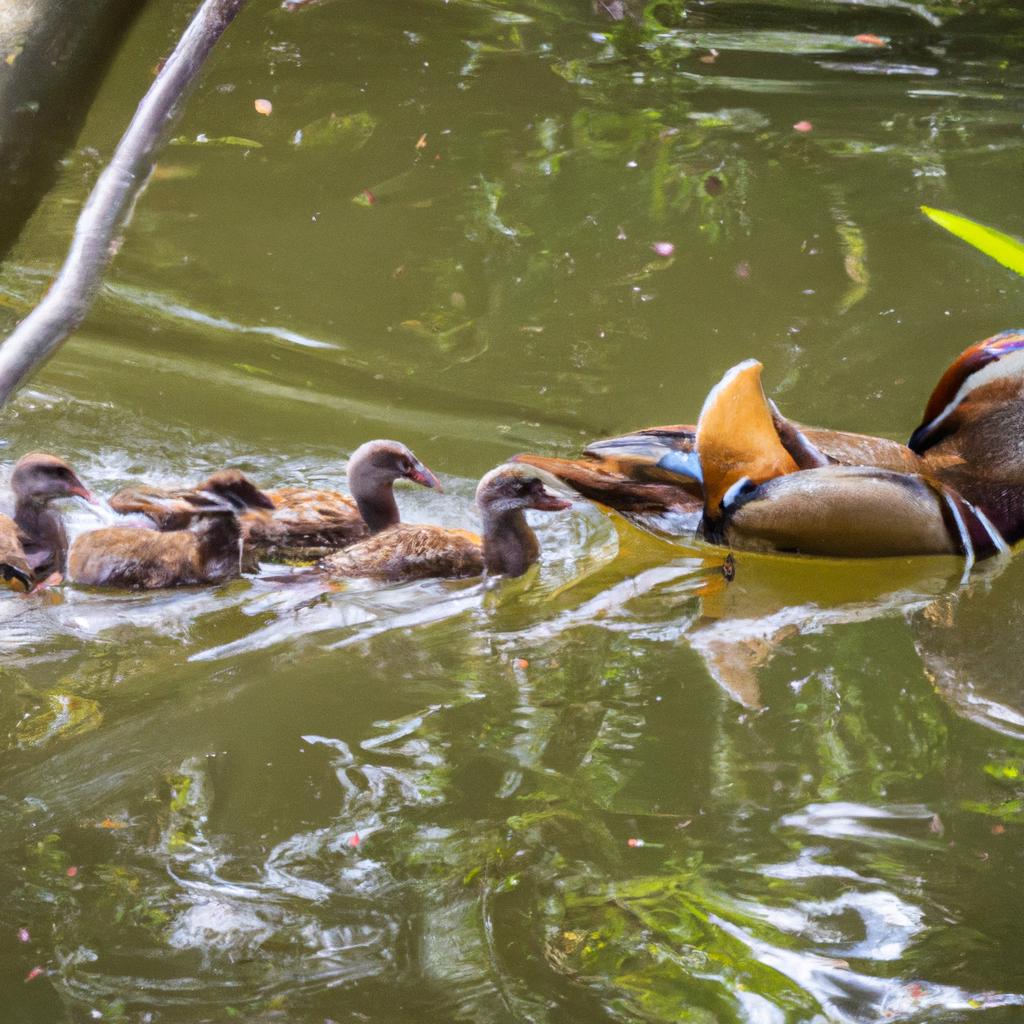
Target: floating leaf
x,y
218,140
1003,248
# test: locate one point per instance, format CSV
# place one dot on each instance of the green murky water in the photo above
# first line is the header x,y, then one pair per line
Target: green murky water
x,y
615,790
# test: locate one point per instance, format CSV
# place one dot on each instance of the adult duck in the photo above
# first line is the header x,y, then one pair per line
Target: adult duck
x,y
757,496
967,439
34,544
208,550
304,523
970,435
648,473
508,546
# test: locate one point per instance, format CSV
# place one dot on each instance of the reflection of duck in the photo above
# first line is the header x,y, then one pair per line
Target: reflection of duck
x,y
209,550
957,488
508,546
304,523
33,545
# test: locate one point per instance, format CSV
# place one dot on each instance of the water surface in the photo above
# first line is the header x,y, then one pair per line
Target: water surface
x,y
618,789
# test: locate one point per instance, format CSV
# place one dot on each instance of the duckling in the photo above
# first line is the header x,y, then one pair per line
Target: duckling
x,y
209,550
508,546
305,523
33,544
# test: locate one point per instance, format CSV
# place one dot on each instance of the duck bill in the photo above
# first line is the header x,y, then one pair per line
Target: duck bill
x,y
548,502
79,490
419,474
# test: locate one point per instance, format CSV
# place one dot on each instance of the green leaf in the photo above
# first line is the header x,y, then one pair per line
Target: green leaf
x,y
1005,248
219,140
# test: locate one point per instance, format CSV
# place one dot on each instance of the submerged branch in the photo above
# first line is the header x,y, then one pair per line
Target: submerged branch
x,y
65,305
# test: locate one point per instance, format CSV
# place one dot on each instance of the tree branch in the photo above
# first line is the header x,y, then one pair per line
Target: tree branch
x,y
106,210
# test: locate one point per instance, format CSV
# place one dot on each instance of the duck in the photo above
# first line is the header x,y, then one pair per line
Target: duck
x,y
508,546
207,550
970,433
33,543
966,443
305,523
647,473
757,496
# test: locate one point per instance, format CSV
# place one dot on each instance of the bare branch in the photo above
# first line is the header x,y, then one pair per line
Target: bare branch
x,y
65,305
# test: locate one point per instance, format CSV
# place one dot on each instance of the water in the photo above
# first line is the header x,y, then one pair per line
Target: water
x,y
616,789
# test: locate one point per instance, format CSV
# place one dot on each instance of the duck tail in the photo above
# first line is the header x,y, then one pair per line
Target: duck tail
x,y
607,484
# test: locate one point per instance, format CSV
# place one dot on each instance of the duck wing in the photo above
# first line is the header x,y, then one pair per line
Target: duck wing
x,y
305,524
169,509
408,551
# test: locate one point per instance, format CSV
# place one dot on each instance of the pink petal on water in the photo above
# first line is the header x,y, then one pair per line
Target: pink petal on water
x,y
663,248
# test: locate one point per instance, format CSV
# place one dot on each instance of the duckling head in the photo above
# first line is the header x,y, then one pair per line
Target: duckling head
x,y
41,478
517,486
382,462
235,490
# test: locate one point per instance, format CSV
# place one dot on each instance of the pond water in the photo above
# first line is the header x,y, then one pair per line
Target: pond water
x,y
617,789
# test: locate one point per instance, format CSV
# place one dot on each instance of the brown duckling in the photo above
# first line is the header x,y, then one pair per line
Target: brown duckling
x,y
508,546
209,550
305,522
34,545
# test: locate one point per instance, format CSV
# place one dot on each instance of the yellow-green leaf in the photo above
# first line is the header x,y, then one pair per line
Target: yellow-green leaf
x,y
1001,247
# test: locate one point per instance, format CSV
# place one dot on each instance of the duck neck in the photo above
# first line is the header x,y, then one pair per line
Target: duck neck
x,y
46,543
374,497
510,546
220,544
